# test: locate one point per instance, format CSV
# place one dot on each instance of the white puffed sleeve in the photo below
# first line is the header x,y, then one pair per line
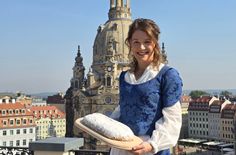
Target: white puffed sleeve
x,y
167,128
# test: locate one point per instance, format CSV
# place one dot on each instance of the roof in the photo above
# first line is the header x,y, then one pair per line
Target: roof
x,y
47,111
202,99
230,107
185,98
213,143
14,106
12,95
217,102
15,112
192,140
229,111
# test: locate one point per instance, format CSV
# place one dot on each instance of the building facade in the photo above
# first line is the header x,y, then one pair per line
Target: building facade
x,y
57,100
17,126
49,118
227,123
185,99
215,124
98,90
198,111
212,119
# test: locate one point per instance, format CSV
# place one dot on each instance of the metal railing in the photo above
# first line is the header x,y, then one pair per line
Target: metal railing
x,y
9,150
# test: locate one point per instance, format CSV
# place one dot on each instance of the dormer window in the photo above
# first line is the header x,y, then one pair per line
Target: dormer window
x,y
23,111
24,121
11,122
4,123
18,122
3,112
10,112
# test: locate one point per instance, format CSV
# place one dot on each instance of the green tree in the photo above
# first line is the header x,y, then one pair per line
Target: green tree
x,y
197,93
226,93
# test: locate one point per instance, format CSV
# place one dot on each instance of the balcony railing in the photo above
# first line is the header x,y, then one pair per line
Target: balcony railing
x,y
25,151
4,150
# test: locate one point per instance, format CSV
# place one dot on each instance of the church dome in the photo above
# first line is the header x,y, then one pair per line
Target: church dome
x,y
109,44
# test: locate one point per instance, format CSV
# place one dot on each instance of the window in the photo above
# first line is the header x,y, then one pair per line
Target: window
x,y
18,131
18,122
11,143
24,121
4,123
31,130
24,131
17,142
24,141
11,132
31,121
4,133
4,143
23,111
11,122
10,112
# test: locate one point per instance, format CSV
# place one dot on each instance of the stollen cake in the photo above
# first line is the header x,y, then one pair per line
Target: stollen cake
x,y
108,127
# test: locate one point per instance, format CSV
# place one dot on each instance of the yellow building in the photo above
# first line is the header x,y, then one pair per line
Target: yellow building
x,y
50,121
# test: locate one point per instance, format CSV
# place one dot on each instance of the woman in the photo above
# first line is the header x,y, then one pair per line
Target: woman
x,y
149,93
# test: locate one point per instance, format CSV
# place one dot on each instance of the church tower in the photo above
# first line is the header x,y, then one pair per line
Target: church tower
x,y
78,72
98,91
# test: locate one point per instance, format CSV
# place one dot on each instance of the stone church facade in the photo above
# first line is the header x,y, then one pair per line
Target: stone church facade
x,y
98,90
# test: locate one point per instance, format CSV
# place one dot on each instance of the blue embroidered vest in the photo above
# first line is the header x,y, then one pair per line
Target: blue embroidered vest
x,y
141,104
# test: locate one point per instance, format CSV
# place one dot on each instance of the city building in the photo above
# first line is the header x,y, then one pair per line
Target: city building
x,y
227,123
234,132
38,102
214,119
57,100
185,99
25,100
198,111
47,119
17,126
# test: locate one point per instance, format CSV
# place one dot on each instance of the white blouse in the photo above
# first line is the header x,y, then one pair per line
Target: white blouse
x,y
167,128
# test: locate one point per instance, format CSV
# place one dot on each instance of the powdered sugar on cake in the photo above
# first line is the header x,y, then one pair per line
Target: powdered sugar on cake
x,y
108,127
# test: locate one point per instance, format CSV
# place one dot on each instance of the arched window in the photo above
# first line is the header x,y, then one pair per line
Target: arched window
x,y
108,81
76,84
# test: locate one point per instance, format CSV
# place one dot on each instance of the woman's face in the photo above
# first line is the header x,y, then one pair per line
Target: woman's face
x,y
142,47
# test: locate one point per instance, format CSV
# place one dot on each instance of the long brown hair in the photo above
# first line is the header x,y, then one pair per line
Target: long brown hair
x,y
152,30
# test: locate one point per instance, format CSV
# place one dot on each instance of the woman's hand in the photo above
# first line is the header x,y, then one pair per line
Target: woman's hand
x,y
142,148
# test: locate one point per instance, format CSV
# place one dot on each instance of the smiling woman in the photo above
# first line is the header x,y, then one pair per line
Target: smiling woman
x,y
149,93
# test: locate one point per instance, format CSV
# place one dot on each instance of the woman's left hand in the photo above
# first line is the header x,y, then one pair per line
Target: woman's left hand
x,y
142,148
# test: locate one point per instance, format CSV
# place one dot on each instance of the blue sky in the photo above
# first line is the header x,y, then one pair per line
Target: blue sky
x,y
39,39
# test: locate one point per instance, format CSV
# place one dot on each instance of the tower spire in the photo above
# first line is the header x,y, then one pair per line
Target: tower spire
x,y
112,3
119,10
164,54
